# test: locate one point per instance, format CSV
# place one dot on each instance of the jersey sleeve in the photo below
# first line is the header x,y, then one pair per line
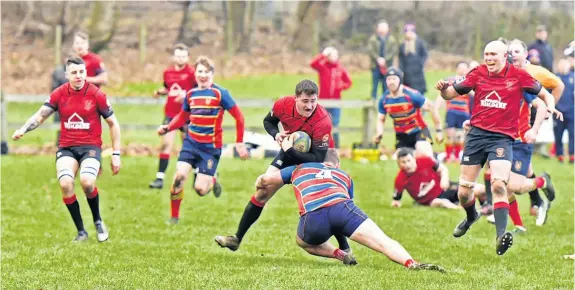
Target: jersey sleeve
x,y
99,65
547,79
528,83
322,134
466,84
381,106
186,103
53,100
287,173
278,107
399,186
227,102
418,100
103,105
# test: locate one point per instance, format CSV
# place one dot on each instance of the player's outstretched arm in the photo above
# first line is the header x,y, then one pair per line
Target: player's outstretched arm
x,y
177,122
271,125
447,92
34,122
444,173
379,128
430,107
240,128
115,134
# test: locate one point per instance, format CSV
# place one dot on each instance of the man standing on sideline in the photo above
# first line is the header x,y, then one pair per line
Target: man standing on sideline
x,y
412,57
95,70
567,107
543,47
382,48
333,79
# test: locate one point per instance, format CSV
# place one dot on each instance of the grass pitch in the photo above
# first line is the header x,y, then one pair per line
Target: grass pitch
x,y
145,253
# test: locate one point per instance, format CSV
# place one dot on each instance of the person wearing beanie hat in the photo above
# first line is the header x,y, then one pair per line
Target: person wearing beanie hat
x,y
404,105
412,57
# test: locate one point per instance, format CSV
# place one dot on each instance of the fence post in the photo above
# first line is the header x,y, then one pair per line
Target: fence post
x,y
58,46
143,36
368,123
4,137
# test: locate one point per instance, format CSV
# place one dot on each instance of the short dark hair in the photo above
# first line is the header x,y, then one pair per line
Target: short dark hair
x,y
74,60
404,152
331,156
205,61
308,87
181,46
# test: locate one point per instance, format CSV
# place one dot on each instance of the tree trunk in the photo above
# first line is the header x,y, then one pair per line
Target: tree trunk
x,y
307,13
248,25
102,24
187,5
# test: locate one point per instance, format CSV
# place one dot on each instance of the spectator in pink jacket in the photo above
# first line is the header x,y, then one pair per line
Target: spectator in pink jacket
x,y
333,79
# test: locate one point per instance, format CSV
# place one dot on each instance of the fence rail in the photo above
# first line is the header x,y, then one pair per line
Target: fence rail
x,y
367,106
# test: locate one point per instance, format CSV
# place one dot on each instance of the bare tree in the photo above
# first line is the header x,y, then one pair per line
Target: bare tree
x,y
308,14
186,5
102,24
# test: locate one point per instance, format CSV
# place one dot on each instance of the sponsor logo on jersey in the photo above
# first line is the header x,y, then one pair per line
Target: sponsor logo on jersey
x,y
75,122
175,90
324,140
493,100
88,105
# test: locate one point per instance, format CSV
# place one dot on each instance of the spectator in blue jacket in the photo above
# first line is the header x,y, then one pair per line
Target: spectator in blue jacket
x,y
566,105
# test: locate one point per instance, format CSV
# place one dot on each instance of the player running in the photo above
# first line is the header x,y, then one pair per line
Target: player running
x,y
403,105
324,194
178,79
300,112
80,105
499,88
95,71
204,107
457,113
427,182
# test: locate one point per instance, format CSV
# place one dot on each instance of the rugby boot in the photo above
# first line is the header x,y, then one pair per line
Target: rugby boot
x,y
427,267
548,189
82,236
349,258
504,242
230,242
462,227
102,231
157,184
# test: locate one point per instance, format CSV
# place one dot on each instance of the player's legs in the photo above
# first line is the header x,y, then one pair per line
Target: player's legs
x,y
465,193
558,130
571,132
449,144
183,170
206,165
423,148
66,168
89,168
251,213
335,114
167,143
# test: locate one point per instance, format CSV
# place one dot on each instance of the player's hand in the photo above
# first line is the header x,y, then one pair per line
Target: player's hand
x,y
242,151
395,203
163,130
439,137
287,143
156,94
281,136
530,136
557,114
377,138
466,126
441,85
180,97
116,164
17,134
327,51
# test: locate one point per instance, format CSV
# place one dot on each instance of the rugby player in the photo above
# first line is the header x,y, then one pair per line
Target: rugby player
x,y
96,72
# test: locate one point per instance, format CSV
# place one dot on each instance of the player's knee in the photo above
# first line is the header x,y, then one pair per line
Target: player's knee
x,y
201,189
67,185
179,179
498,187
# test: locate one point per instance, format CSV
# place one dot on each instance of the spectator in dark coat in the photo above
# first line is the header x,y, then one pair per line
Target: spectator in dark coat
x,y
543,47
382,48
412,57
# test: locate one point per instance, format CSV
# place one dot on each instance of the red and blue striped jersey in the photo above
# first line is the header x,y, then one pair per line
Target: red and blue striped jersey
x,y
206,108
459,103
404,110
317,185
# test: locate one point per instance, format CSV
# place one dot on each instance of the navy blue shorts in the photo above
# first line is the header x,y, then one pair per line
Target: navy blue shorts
x,y
522,153
316,227
455,119
482,146
201,157
403,140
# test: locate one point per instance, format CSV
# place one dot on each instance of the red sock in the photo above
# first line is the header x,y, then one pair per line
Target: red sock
x,y
561,158
571,158
338,254
448,151
408,263
514,213
539,182
69,200
552,150
176,200
93,194
458,148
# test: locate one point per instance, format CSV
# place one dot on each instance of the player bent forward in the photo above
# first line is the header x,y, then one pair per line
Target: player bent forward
x,y
80,105
427,182
329,211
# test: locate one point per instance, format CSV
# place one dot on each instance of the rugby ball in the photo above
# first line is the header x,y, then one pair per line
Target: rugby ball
x,y
301,141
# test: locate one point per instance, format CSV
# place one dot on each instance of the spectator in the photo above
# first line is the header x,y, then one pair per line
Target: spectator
x,y
534,57
382,48
543,47
569,52
333,79
567,107
412,57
